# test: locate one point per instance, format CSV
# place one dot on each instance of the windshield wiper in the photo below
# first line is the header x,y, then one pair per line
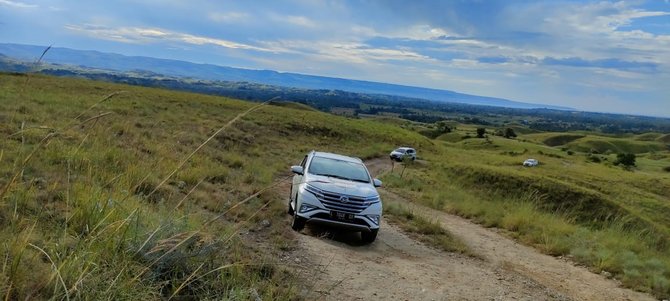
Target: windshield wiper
x,y
333,176
342,178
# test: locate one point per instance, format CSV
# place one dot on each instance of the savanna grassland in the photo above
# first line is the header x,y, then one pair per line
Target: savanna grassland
x,y
118,192
577,203
121,192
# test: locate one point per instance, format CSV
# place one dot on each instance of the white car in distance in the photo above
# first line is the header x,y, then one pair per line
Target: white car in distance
x,y
399,154
530,163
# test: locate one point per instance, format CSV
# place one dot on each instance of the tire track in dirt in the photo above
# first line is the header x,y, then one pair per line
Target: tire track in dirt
x,y
501,251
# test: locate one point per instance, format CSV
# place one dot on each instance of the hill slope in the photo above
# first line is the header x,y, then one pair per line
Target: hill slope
x,y
104,196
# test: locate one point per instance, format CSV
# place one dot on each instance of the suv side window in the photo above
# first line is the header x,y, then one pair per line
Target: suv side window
x,y
304,161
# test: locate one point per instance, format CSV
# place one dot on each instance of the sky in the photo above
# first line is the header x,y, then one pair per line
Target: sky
x,y
605,56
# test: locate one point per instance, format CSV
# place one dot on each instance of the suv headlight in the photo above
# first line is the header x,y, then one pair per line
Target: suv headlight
x,y
374,218
306,208
372,200
313,190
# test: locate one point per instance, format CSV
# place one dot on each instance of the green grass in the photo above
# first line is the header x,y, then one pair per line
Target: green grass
x,y
293,105
603,216
92,213
425,230
521,129
664,139
87,216
614,145
582,142
648,136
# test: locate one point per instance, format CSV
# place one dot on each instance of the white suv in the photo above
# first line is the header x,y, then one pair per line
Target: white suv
x,y
335,190
403,152
530,163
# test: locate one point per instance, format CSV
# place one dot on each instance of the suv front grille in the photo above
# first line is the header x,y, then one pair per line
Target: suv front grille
x,y
342,202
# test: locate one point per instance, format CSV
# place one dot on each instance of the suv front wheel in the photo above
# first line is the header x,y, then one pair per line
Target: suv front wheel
x,y
298,222
290,209
369,237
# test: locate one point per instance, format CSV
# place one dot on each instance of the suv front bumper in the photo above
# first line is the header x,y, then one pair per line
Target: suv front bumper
x,y
310,208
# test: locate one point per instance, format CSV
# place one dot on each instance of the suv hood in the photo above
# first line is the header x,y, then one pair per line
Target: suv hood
x,y
342,186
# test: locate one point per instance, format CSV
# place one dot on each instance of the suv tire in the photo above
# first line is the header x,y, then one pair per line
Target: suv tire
x,y
290,209
369,237
298,222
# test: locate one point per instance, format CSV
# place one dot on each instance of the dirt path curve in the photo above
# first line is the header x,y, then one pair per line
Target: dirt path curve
x,y
396,267
559,275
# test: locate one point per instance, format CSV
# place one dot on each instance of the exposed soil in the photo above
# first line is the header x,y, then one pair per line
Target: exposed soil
x,y
336,266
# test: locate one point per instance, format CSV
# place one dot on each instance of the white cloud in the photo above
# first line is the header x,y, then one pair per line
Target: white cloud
x,y
228,17
343,51
17,4
592,31
420,32
300,21
141,35
458,45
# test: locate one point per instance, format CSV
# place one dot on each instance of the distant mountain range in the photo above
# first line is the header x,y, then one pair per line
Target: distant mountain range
x,y
175,68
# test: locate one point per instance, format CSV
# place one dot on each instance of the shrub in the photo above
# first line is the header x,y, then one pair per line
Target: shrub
x,y
667,168
627,160
594,159
481,132
509,133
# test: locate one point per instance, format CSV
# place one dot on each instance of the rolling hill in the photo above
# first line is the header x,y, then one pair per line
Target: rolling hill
x,y
110,61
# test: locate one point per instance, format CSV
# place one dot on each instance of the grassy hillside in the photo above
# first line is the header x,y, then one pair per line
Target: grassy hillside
x,y
110,191
107,195
601,215
643,143
664,139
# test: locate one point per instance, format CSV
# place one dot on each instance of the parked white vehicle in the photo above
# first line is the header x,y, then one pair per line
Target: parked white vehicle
x,y
530,163
403,152
335,190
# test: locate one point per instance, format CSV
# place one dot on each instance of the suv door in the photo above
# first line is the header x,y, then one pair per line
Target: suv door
x,y
297,179
411,153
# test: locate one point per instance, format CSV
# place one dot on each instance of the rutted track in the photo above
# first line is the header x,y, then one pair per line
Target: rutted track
x,y
396,267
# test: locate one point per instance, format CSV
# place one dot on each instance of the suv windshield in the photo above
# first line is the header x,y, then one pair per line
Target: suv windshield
x,y
339,169
400,150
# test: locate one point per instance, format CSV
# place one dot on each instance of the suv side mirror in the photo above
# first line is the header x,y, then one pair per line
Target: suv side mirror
x,y
297,169
377,183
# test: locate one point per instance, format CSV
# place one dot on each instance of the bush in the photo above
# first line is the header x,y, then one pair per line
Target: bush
x,y
627,160
667,168
594,159
509,133
481,132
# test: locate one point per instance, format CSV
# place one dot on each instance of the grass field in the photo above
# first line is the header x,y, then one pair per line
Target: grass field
x,y
644,143
104,197
425,230
110,191
601,215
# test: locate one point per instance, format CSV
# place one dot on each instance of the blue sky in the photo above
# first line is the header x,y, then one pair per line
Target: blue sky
x,y
611,56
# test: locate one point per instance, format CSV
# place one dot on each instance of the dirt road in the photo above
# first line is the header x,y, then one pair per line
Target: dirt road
x,y
395,267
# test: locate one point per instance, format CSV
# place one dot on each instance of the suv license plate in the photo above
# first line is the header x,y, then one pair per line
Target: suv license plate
x,y
342,215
